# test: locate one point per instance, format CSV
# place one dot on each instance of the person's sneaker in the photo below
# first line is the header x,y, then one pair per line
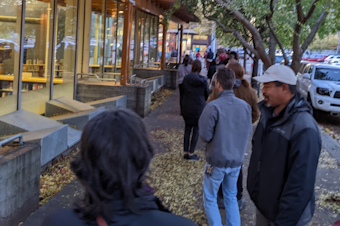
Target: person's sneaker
x,y
241,203
185,156
193,157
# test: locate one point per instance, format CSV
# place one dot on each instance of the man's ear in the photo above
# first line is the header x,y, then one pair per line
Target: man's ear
x,y
285,88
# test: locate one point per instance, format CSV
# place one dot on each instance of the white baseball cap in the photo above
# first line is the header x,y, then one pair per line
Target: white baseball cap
x,y
278,73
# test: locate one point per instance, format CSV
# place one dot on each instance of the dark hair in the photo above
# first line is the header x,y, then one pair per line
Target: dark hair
x,y
292,88
186,60
226,78
234,54
196,66
114,156
237,69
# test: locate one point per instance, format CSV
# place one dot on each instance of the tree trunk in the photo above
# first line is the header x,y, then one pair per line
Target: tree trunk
x,y
254,73
245,59
272,48
296,60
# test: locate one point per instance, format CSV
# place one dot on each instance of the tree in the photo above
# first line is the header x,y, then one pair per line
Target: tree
x,y
292,23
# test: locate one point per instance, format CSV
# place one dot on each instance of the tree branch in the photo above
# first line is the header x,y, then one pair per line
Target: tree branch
x,y
261,53
236,34
278,41
299,11
310,12
315,28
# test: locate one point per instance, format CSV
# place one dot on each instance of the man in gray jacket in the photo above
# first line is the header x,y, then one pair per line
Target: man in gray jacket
x,y
225,125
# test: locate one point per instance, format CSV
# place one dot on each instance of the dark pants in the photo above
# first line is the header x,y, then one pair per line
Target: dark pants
x,y
190,129
239,187
181,91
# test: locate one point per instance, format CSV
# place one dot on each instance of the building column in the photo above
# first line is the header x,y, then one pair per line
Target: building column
x,y
180,44
125,69
163,48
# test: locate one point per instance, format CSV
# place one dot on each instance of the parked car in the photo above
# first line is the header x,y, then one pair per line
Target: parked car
x,y
290,60
319,84
316,58
278,59
329,58
335,61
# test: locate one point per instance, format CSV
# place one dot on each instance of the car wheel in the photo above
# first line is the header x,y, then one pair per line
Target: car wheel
x,y
316,113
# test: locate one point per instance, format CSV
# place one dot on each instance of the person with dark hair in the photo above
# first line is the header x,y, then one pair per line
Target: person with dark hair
x,y
198,55
114,156
195,94
285,152
223,60
182,71
210,58
225,125
242,90
233,55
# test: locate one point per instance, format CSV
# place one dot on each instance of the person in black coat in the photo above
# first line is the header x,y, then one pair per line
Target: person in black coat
x,y
195,94
111,165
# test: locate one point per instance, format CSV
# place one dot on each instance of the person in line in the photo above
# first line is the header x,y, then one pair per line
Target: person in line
x,y
242,90
285,153
198,55
212,69
195,94
233,57
183,70
225,125
210,58
112,171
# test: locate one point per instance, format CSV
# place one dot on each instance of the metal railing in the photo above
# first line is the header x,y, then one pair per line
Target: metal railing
x,y
143,82
133,78
18,136
97,77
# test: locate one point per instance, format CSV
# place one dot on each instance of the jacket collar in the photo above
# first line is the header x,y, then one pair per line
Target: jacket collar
x,y
226,93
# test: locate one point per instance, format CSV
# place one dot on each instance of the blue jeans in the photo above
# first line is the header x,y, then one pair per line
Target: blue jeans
x,y
211,183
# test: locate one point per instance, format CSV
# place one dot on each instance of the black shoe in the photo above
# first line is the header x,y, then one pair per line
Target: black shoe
x,y
193,157
241,203
185,156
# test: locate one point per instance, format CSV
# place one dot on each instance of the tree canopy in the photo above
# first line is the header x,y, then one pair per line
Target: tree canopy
x,y
255,24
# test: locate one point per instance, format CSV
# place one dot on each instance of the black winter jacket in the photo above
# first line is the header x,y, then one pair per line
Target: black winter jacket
x,y
196,92
152,212
282,169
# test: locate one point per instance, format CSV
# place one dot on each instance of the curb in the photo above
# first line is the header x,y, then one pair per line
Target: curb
x,y
331,145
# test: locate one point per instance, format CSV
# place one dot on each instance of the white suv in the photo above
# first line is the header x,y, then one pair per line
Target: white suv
x,y
320,85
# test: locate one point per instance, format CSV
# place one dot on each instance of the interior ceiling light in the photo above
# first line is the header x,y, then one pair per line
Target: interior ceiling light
x,y
121,12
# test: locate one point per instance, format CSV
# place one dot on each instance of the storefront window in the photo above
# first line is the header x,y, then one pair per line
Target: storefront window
x,y
110,38
97,37
9,55
36,61
200,37
146,39
120,32
65,49
160,42
153,39
132,47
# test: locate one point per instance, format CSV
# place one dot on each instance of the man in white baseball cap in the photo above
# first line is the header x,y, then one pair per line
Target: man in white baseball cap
x,y
285,153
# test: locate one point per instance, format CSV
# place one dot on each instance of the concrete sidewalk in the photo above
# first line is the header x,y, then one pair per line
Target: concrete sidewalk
x,y
167,116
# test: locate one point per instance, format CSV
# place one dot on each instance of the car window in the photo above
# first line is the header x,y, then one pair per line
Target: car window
x,y
306,69
302,66
336,61
312,56
330,74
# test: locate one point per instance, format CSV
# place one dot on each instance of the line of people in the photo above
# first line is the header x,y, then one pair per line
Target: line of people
x,y
286,146
286,142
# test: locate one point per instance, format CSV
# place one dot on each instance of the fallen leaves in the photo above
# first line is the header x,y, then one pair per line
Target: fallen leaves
x,y
55,178
326,161
159,97
330,200
178,182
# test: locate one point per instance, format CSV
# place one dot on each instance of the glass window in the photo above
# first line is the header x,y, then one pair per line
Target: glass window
x,y
37,58
110,38
146,39
153,39
120,32
97,37
330,74
65,48
141,35
9,55
160,42
200,37
132,47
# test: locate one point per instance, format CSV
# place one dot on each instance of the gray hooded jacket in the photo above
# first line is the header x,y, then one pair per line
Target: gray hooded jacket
x,y
225,125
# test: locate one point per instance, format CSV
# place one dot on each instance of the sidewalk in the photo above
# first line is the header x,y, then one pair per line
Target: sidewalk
x,y
166,117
